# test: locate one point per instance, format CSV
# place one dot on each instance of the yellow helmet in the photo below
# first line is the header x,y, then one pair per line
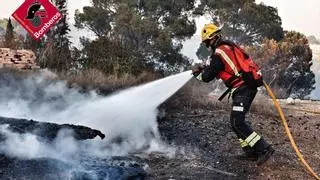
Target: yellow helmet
x,y
209,31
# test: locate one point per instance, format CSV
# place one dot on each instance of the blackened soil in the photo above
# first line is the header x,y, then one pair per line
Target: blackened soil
x,y
214,146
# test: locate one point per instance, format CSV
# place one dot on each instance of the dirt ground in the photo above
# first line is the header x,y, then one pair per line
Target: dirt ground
x,y
211,146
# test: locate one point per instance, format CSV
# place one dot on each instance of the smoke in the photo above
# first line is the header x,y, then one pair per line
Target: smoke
x,y
28,146
128,117
37,96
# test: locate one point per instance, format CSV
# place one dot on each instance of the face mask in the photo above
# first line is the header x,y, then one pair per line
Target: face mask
x,y
206,43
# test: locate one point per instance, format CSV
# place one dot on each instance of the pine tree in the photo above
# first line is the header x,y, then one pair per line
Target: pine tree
x,y
9,41
286,65
244,21
144,34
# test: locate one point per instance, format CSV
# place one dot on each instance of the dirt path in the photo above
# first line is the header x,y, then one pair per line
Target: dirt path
x,y
210,146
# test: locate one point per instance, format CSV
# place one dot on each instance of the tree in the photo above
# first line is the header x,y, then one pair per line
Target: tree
x,y
9,40
147,34
97,18
3,23
2,32
30,43
56,54
244,21
286,65
298,77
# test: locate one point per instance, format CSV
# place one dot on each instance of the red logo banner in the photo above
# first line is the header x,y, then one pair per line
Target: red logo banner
x,y
37,16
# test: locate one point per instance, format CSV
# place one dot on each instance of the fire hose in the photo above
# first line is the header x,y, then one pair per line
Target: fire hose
x,y
285,124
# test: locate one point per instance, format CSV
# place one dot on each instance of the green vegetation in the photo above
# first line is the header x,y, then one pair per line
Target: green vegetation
x,y
3,24
141,35
9,36
57,54
244,21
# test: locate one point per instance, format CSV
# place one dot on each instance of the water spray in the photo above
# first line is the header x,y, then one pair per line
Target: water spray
x,y
128,117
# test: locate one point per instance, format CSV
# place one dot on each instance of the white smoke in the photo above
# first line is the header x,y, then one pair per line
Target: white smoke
x,y
28,146
128,117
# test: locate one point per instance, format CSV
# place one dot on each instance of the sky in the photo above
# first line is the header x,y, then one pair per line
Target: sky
x,y
302,16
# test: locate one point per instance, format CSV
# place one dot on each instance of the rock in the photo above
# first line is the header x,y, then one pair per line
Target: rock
x,y
18,59
290,101
298,101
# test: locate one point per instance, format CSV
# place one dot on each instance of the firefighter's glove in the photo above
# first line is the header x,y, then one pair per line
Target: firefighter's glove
x,y
197,71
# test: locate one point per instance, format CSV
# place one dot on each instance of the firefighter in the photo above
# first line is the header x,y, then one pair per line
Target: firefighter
x,y
224,64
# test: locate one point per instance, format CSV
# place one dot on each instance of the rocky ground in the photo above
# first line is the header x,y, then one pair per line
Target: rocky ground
x,y
212,145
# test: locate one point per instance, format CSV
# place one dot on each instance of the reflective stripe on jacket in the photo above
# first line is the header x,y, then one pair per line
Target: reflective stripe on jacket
x,y
231,67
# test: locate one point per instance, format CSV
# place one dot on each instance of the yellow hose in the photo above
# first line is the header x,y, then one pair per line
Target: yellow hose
x,y
285,124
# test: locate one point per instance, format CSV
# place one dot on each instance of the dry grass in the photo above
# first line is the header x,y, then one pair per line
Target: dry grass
x,y
91,79
95,79
193,95
262,104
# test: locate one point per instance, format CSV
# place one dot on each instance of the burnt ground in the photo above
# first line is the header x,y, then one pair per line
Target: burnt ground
x,y
214,145
84,167
207,150
210,147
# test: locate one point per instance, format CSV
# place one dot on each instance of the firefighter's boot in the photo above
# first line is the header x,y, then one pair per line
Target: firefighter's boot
x,y
248,155
264,151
